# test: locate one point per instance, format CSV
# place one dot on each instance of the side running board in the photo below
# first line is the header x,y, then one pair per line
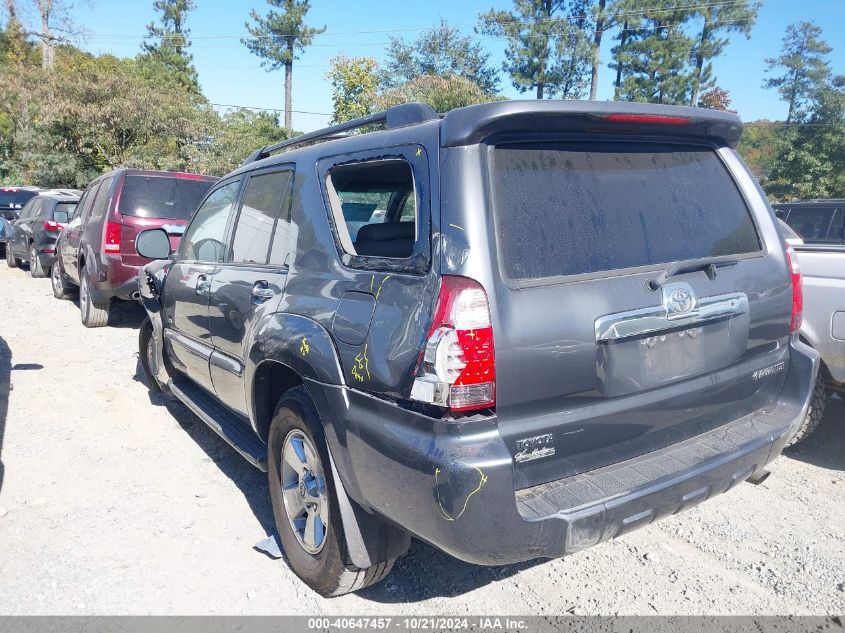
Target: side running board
x,y
222,421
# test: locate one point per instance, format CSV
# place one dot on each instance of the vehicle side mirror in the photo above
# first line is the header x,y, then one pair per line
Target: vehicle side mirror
x,y
153,244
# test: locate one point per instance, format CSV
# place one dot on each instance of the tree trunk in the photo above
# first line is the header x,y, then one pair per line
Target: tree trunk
x,y
289,86
11,10
540,90
594,81
699,64
45,8
622,40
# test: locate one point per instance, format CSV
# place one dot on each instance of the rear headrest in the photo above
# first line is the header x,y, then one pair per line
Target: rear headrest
x,y
386,231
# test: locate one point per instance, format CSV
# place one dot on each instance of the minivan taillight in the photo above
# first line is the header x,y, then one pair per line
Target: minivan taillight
x,y
797,290
457,368
111,237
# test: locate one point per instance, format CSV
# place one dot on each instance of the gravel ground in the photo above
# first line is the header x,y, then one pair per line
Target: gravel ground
x,y
113,502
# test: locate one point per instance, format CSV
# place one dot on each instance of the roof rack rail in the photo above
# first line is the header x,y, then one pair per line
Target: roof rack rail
x,y
394,117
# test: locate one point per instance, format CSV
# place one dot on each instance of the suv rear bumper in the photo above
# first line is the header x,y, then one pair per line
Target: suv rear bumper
x,y
452,484
114,279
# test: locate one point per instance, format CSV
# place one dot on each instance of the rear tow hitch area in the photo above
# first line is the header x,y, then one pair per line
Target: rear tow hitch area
x,y
759,477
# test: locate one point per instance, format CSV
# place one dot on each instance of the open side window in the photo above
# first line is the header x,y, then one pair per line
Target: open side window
x,y
380,211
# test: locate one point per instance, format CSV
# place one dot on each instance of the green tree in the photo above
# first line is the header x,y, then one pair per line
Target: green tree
x,y
355,81
167,43
803,65
548,48
759,146
810,162
654,64
279,37
718,19
441,93
442,50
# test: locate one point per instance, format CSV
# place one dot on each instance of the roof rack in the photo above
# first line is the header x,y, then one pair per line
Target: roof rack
x,y
394,117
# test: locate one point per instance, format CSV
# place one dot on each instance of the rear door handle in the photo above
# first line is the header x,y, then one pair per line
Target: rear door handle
x,y
203,285
261,292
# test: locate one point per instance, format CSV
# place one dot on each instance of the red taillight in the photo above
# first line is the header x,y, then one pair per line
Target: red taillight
x,y
49,225
458,365
797,290
111,237
659,119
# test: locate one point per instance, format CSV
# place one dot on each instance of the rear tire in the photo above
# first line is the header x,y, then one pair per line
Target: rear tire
x,y
815,412
35,267
11,260
146,347
61,288
329,570
93,314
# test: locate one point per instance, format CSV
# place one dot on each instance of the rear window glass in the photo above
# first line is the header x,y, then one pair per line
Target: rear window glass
x,y
572,209
161,197
816,224
16,199
63,211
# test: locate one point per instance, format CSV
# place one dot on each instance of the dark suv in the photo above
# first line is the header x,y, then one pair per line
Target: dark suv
x,y
512,332
96,252
33,235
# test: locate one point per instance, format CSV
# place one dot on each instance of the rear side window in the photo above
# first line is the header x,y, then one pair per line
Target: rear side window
x,y
162,197
370,207
816,224
572,209
261,204
102,201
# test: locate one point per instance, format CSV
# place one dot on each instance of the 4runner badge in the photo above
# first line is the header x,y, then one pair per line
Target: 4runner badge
x,y
531,448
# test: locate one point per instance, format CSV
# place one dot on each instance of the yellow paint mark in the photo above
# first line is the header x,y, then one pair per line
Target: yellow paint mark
x,y
372,281
482,480
381,285
304,347
361,366
455,226
419,151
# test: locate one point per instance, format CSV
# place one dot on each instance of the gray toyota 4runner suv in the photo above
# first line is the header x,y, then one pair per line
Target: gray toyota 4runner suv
x,y
512,331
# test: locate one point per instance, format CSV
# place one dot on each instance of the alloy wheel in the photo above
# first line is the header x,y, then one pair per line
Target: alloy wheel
x,y
304,491
56,279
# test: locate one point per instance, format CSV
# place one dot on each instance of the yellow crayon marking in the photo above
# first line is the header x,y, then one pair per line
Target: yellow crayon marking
x,y
304,347
455,226
361,366
381,285
419,151
482,479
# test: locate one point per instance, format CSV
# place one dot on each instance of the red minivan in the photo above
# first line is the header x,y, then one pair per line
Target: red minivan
x,y
96,251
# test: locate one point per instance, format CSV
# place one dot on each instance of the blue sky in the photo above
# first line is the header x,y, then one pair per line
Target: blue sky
x,y
229,74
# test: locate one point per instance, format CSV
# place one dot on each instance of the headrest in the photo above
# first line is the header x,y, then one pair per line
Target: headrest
x,y
386,231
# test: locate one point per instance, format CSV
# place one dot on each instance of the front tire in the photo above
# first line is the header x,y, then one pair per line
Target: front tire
x,y
36,269
299,474
814,414
93,314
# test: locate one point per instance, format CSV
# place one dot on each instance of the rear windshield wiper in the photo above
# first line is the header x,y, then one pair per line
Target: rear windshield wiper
x,y
707,264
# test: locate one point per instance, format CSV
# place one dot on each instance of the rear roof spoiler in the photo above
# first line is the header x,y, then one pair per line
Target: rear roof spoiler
x,y
473,124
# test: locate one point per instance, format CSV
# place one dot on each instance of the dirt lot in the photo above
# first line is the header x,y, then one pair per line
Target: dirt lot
x,y
116,503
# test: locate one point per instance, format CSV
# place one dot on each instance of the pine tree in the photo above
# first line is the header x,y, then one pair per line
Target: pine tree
x,y
719,18
167,43
805,67
654,64
278,38
548,48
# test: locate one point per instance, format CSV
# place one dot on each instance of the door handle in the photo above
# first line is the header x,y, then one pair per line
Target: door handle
x,y
261,292
203,285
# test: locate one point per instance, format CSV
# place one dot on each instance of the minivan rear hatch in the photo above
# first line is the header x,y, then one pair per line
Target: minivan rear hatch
x,y
635,302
